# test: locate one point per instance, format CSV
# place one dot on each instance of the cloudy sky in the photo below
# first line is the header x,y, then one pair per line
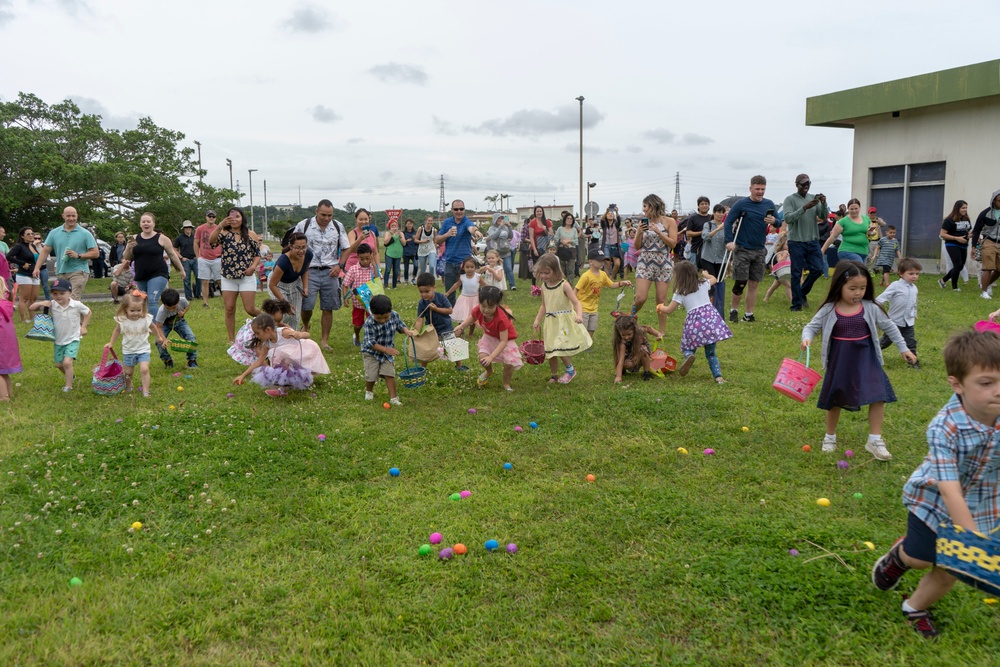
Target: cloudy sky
x,y
371,102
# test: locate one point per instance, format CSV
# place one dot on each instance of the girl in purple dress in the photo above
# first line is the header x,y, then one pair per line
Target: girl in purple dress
x,y
849,320
703,326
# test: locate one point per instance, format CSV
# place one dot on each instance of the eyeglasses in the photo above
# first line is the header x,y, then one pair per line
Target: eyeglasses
x,y
804,183
209,216
458,209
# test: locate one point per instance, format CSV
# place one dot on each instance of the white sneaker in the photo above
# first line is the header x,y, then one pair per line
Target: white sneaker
x,y
829,445
985,295
878,450
369,395
395,401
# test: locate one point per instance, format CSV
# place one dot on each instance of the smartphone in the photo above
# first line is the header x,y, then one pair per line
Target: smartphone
x,y
770,211
645,223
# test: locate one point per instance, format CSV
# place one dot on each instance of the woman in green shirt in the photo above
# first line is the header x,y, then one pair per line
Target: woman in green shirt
x,y
392,241
853,229
566,244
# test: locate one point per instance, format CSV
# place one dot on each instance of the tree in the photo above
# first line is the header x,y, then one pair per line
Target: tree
x,y
492,199
56,156
350,207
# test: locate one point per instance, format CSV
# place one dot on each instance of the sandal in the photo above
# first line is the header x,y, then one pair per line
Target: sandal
x,y
719,380
553,379
481,380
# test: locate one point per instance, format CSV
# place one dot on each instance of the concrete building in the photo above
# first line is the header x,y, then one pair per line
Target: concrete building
x,y
920,144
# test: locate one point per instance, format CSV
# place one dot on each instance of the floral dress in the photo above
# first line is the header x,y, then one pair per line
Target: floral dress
x,y
237,256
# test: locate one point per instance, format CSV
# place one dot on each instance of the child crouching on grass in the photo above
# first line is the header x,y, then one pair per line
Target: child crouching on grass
x,y
170,318
377,347
959,479
631,347
498,338
286,358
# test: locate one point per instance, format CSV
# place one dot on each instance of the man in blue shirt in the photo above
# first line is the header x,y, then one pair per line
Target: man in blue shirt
x,y
457,233
73,247
754,214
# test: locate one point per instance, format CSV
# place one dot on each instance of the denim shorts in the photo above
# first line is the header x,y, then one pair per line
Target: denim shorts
x,y
131,360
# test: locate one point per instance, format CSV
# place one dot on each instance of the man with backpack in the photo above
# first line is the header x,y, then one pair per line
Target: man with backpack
x,y
327,239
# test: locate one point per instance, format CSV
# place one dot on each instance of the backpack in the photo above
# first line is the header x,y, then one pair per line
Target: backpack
x,y
287,237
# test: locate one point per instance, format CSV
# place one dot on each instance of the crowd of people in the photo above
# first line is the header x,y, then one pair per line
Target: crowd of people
x,y
322,262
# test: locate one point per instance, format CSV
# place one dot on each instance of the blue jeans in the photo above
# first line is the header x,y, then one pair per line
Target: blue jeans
x,y
426,263
452,270
804,255
43,276
152,287
391,265
852,256
508,269
713,361
830,259
192,286
183,329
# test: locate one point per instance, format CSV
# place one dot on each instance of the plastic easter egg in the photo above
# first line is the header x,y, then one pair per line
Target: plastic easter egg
x,y
491,545
446,553
681,450
512,548
472,411
708,452
435,538
321,437
173,407
508,466
533,424
871,547
394,472
386,406
137,525
745,429
843,465
858,496
460,549
180,388
229,395
806,448
187,377
793,552
425,550
823,502
517,429
591,479
76,581
456,496
849,453
177,375
465,494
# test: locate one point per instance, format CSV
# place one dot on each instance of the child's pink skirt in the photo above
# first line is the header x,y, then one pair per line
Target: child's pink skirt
x,y
511,356
463,307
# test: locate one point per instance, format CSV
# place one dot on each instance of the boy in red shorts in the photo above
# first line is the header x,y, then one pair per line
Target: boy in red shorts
x,y
356,276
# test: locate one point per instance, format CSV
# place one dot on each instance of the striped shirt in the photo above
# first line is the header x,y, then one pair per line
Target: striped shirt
x,y
961,450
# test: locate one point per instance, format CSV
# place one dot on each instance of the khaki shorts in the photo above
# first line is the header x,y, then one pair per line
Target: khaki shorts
x,y
590,321
77,281
991,255
374,369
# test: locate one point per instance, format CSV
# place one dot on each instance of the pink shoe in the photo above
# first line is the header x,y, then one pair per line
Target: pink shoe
x,y
275,392
567,377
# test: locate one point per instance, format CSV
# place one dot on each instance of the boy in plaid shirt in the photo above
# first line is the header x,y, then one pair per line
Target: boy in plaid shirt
x,y
958,481
356,276
377,349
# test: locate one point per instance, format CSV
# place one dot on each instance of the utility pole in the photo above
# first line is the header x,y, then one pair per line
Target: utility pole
x,y
265,208
580,100
239,194
677,193
441,203
252,225
300,196
198,144
229,163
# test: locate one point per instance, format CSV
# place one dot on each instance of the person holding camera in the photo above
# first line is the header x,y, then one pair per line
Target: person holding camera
x,y
240,257
804,214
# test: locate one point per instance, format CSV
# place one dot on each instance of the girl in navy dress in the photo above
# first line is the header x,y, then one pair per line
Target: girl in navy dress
x,y
849,320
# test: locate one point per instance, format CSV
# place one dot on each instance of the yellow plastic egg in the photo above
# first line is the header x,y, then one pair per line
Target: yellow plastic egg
x,y
137,525
745,429
871,547
681,450
823,502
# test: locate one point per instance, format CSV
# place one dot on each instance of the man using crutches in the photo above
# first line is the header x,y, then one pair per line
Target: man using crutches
x,y
746,248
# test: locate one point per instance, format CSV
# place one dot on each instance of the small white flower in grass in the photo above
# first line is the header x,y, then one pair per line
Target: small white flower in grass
x,y
58,532
223,509
233,501
135,484
203,494
248,474
191,497
204,486
135,503
208,531
129,550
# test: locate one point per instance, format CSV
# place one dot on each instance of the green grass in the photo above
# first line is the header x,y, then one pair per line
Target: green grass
x,y
307,552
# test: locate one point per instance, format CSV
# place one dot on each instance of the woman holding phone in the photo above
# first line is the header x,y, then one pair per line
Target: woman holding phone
x,y
853,230
240,257
654,241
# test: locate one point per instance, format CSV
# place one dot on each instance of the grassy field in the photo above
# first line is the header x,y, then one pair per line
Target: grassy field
x,y
262,544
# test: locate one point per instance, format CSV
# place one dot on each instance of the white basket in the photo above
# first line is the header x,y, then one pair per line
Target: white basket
x,y
456,349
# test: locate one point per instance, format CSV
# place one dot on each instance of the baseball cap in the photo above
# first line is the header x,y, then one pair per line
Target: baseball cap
x,y
873,210
596,253
187,223
61,285
209,212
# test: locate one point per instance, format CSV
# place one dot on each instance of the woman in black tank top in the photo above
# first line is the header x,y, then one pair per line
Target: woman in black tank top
x,y
146,253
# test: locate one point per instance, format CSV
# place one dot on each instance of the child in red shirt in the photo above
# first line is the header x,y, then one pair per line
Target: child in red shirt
x,y
498,338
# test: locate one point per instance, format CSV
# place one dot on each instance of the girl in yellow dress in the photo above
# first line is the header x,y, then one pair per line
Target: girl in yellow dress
x,y
563,331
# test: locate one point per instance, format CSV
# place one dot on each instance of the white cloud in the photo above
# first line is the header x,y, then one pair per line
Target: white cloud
x,y
536,122
310,18
89,105
323,114
399,73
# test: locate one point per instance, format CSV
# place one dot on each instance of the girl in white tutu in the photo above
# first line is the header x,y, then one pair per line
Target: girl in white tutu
x,y
294,358
468,298
499,335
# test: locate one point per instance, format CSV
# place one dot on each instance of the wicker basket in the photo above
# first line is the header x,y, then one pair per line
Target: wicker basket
x,y
533,351
972,557
183,345
414,376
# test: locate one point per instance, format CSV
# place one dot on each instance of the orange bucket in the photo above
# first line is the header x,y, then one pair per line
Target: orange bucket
x,y
795,379
660,361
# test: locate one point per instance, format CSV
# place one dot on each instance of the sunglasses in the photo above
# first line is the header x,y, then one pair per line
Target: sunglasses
x,y
209,216
458,209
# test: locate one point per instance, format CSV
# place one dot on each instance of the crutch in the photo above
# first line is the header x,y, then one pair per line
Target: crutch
x,y
728,256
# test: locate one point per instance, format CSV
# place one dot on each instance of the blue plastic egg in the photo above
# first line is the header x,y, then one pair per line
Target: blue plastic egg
x,y
492,545
394,472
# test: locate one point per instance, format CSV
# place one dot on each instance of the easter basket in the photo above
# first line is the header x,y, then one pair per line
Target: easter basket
x,y
970,556
533,351
178,345
413,376
109,376
455,348
617,312
795,379
660,361
43,327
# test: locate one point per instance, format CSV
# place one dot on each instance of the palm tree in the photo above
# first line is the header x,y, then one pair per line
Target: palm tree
x,y
492,199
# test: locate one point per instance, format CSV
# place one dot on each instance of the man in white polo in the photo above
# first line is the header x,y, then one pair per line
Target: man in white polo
x,y
209,258
73,247
327,239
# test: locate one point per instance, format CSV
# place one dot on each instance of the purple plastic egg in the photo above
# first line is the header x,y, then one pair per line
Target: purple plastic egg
x,y
321,437
849,453
446,553
466,493
708,452
512,548
793,552
843,465
472,411
229,395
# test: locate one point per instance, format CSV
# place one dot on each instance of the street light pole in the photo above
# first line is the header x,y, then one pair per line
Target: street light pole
x,y
589,185
265,208
580,100
252,226
198,144
229,163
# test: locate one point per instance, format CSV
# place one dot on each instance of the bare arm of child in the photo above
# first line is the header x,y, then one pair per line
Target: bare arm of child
x,y
85,323
497,351
161,338
571,295
650,331
453,287
467,322
391,351
709,277
153,329
623,283
114,336
541,315
38,305
667,308
620,366
992,317
261,358
958,509
121,267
